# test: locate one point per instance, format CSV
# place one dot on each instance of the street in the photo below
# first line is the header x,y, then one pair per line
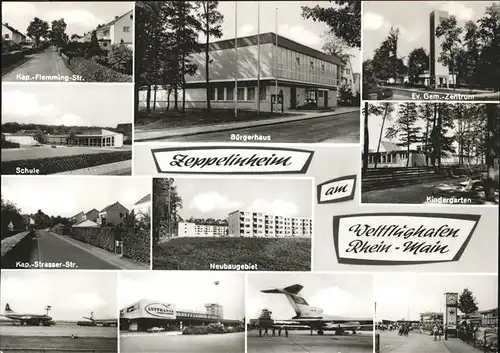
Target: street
x,y
415,342
54,249
47,63
339,128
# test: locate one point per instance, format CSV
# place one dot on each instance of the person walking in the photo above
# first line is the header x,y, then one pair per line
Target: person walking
x,y
435,332
286,331
274,332
266,332
440,331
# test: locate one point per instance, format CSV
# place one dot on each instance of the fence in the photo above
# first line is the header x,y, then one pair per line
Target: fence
x,y
485,340
381,178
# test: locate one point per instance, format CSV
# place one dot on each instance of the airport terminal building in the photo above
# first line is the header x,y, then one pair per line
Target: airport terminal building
x,y
145,314
303,76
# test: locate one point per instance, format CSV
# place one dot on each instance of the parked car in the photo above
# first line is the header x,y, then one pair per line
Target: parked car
x,y
156,329
381,91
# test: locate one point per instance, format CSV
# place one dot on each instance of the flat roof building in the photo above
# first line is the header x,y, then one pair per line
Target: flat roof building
x,y
303,76
191,229
260,224
96,137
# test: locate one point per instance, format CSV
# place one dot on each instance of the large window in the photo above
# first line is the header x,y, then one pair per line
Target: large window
x,y
220,93
229,93
241,93
263,93
212,94
250,93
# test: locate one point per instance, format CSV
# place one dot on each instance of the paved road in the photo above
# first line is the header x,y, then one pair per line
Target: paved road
x,y
54,248
340,128
47,63
391,342
59,330
157,342
301,341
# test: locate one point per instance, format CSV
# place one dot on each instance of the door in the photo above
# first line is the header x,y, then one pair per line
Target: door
x,y
326,98
293,97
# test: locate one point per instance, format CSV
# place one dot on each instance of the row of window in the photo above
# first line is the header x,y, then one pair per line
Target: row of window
x,y
244,93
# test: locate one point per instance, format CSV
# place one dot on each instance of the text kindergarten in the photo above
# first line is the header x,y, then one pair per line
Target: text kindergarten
x,y
396,238
232,160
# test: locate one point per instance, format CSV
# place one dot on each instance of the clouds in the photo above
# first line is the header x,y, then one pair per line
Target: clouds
x,y
276,207
21,104
372,21
78,17
246,30
212,200
300,34
459,10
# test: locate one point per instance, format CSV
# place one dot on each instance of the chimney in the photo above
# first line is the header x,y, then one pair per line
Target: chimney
x,y
116,17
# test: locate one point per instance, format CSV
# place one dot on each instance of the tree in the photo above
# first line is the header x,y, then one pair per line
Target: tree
x,y
11,213
211,26
450,45
404,128
386,63
39,136
418,62
425,111
489,32
345,93
467,302
468,60
384,109
344,19
37,29
333,45
492,148
366,139
166,205
58,33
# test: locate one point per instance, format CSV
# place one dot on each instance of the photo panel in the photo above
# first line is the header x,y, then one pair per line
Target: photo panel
x,y
430,51
319,312
178,311
66,129
70,311
249,224
436,312
269,72
61,42
431,153
76,223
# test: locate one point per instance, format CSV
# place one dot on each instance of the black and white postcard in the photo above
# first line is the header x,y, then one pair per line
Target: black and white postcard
x,y
68,41
202,312
263,71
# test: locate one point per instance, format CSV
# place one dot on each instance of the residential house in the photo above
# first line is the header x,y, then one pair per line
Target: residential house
x,y
113,215
58,228
11,34
142,208
92,215
86,224
348,76
79,217
117,31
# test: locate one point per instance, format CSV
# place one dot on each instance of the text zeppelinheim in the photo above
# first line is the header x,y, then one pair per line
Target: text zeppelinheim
x,y
185,161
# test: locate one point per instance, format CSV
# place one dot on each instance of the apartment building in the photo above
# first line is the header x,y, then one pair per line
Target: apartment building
x,y
191,229
117,31
259,224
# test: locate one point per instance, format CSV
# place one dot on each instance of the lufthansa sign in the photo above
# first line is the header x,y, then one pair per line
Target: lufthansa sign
x,y
160,310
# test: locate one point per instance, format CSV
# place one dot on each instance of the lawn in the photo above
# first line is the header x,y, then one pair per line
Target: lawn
x,y
47,152
161,119
278,254
63,344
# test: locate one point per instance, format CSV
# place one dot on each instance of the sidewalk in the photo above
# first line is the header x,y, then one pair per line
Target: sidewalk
x,y
105,255
145,135
456,345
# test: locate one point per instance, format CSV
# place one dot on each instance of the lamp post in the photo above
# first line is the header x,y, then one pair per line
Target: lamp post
x,y
217,299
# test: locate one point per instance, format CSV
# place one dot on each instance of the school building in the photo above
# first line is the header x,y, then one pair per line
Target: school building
x,y
302,76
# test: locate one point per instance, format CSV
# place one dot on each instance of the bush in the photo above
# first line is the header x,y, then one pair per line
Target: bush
x,y
120,58
94,72
61,164
103,60
205,330
17,248
137,244
8,144
103,238
75,49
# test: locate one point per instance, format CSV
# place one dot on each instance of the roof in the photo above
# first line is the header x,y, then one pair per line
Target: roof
x,y
78,214
109,24
270,37
91,211
86,224
13,29
145,199
109,206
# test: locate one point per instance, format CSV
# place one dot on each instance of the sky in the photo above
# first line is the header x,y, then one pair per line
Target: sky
x,y
187,290
400,294
80,16
68,196
71,294
375,123
67,104
215,198
345,295
290,23
412,18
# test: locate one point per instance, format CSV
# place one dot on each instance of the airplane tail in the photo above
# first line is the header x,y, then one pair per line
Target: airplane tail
x,y
298,303
8,309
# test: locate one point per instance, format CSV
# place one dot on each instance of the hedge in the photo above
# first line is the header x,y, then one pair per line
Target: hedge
x,y
91,71
52,165
17,248
137,244
103,238
204,330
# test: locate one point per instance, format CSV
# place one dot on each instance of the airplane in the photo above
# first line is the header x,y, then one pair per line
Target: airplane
x,y
95,322
310,316
28,319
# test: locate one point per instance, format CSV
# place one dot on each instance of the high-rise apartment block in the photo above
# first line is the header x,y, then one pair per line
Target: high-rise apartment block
x,y
259,224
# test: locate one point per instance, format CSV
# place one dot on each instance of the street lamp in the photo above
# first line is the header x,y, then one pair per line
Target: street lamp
x,y
217,299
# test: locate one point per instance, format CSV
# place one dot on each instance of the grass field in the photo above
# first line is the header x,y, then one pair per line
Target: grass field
x,y
63,344
279,254
47,152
